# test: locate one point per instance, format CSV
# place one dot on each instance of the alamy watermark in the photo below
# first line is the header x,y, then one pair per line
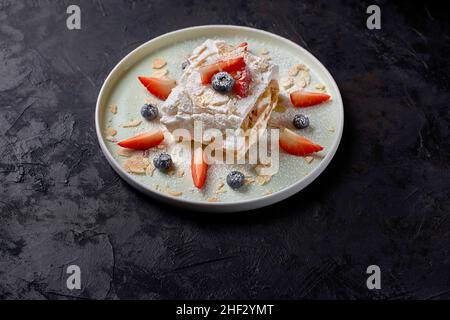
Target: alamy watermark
x,y
74,280
374,20
73,21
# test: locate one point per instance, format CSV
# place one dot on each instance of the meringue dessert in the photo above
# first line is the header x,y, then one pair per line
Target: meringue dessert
x,y
224,99
246,104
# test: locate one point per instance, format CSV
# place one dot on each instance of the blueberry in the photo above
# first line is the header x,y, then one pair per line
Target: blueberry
x,y
185,64
235,179
149,112
222,82
301,121
162,161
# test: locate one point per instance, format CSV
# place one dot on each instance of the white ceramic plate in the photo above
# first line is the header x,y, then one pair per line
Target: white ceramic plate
x,y
122,88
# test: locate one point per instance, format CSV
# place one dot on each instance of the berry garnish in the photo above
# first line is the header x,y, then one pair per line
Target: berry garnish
x,y
242,84
297,145
159,87
222,82
301,121
304,99
162,161
143,141
149,112
199,167
230,66
235,179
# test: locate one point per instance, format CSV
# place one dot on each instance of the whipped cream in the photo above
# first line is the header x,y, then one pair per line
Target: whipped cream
x,y
192,101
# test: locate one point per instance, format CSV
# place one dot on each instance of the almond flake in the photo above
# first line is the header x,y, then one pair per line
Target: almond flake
x,y
175,193
293,71
320,86
159,63
111,139
136,164
248,180
331,129
304,79
213,200
287,82
160,73
262,180
125,152
111,132
132,124
268,192
150,169
309,159
113,108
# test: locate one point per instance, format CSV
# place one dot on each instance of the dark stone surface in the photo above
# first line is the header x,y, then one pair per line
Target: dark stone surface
x,y
383,200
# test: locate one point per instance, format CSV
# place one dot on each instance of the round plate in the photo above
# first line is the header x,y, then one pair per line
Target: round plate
x,y
122,88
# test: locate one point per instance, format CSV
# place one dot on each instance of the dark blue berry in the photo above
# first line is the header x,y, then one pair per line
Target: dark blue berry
x,y
149,112
301,121
162,161
184,64
222,82
235,179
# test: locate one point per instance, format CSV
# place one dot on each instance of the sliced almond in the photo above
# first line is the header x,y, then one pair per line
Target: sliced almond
x,y
303,79
309,159
262,180
150,169
132,124
249,180
125,152
136,164
287,82
174,193
113,108
331,129
213,200
293,71
268,192
158,63
320,87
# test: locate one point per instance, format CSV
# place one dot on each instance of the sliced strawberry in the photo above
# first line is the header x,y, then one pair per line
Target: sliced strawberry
x,y
199,167
159,87
297,145
143,141
303,99
232,65
242,82
243,45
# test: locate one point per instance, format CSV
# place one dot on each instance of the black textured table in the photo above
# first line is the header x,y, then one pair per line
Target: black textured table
x,y
384,199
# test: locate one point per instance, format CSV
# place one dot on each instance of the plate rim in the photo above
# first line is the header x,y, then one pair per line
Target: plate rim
x,y
237,206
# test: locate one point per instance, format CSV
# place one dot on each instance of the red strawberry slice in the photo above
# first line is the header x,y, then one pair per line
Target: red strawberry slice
x,y
232,65
297,145
303,99
242,82
143,141
199,167
159,87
